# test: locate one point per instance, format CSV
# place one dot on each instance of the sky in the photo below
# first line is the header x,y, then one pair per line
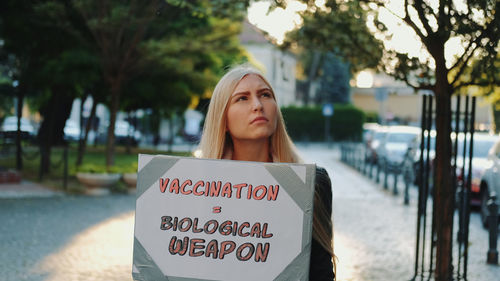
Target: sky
x,y
277,22
403,39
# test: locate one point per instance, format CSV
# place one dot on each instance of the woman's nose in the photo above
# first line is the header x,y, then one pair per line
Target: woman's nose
x,y
256,104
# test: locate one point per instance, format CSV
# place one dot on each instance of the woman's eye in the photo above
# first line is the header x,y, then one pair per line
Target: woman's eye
x,y
267,95
241,98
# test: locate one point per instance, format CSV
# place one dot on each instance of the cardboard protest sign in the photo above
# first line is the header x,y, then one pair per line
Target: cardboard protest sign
x,y
200,219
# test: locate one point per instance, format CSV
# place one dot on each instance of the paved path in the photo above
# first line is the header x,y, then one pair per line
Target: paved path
x,y
375,231
60,238
25,189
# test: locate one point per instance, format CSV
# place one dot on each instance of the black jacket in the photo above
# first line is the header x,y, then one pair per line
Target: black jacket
x,y
321,266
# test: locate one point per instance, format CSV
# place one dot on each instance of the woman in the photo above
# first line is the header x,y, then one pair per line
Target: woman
x,y
244,123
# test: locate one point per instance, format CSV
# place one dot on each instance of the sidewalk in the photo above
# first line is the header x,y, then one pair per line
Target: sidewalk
x,y
25,189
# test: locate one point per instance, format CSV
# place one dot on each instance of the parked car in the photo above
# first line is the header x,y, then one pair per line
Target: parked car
x,y
411,162
490,181
372,138
9,128
72,130
393,148
483,142
124,132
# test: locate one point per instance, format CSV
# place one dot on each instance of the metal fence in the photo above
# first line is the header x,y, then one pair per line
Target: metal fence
x,y
31,151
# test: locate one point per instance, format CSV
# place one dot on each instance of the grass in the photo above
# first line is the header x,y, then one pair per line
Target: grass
x,y
94,156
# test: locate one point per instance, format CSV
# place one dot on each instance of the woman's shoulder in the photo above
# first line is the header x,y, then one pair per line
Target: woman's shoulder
x,y
322,177
323,185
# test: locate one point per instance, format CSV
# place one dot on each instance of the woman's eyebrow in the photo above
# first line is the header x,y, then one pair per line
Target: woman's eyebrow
x,y
241,93
248,92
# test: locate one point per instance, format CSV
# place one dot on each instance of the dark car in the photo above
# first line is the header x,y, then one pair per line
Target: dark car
x,y
9,128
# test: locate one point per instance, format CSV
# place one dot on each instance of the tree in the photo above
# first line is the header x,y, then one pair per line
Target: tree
x,y
7,90
125,33
334,83
117,29
476,24
337,29
35,37
486,86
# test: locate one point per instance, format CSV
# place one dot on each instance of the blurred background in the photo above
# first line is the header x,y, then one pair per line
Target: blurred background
x,y
87,85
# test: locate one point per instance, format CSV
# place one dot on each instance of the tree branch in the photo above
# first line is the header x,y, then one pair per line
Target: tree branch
x,y
468,56
404,77
412,24
442,16
464,65
480,84
421,7
138,36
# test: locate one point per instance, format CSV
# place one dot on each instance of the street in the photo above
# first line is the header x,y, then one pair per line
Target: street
x,y
91,238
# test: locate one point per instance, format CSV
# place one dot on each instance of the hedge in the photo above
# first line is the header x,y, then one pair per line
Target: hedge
x,y
308,123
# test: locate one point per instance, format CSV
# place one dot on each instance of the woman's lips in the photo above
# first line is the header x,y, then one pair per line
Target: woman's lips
x,y
259,119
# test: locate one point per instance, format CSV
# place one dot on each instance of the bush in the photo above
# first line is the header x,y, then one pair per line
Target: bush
x,y
98,169
308,123
371,117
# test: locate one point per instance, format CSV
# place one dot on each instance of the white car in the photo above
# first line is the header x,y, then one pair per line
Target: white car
x,y
395,145
483,142
490,180
9,127
72,130
125,132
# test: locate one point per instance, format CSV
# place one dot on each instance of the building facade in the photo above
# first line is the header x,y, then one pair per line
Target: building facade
x,y
404,104
278,66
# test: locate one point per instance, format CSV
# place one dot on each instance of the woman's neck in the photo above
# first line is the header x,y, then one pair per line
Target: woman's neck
x,y
251,150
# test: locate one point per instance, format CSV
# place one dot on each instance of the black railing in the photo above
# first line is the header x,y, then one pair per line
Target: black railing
x,y
32,152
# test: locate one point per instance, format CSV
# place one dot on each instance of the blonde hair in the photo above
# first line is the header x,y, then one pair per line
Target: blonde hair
x,y
215,141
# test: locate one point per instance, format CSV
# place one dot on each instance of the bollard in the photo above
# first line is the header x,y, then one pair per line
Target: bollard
x,y
407,192
385,175
492,256
370,169
342,152
365,165
353,157
395,187
359,160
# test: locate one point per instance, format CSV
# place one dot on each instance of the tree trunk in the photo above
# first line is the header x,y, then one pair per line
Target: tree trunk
x,y
171,134
55,113
444,197
83,100
128,140
82,143
496,118
110,142
19,151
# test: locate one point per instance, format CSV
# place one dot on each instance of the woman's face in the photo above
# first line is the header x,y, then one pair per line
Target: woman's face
x,y
252,110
